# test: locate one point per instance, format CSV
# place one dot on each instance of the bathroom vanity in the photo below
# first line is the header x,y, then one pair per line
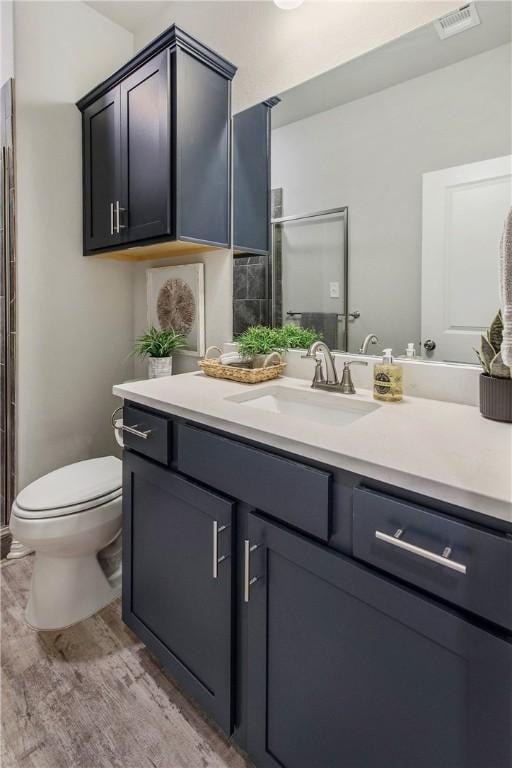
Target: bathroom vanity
x,y
323,606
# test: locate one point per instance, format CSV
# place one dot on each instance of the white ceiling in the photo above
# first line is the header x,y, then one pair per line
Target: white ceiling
x,y
410,56
129,14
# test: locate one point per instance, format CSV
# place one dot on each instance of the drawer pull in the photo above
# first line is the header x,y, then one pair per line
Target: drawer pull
x,y
125,428
216,558
396,541
248,582
134,431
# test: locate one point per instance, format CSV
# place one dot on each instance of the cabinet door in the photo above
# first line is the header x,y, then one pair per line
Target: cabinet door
x,y
176,596
251,180
145,127
348,669
102,170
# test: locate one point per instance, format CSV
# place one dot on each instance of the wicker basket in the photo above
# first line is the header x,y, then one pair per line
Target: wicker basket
x,y
271,370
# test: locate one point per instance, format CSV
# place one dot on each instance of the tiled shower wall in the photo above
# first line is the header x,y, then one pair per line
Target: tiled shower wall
x,y
7,307
252,281
250,292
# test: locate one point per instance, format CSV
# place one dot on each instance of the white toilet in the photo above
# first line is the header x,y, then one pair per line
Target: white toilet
x,y
68,517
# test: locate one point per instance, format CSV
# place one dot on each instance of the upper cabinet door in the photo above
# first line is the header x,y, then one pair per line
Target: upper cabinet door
x,y
393,680
145,131
102,171
251,179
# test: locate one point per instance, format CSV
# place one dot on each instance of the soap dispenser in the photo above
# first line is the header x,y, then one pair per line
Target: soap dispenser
x,y
387,379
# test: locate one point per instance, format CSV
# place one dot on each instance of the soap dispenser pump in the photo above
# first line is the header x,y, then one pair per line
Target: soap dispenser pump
x,y
387,379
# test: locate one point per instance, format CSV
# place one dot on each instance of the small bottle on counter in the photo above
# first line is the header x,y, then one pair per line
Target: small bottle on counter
x,y
410,351
387,379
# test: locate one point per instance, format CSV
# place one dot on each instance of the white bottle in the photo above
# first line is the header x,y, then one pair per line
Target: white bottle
x,y
410,351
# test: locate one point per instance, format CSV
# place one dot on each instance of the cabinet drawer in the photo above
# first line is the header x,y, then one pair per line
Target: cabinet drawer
x,y
157,442
465,565
290,491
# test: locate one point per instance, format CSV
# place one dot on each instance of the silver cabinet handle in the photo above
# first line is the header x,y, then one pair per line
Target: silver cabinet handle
x,y
125,428
111,218
119,226
216,558
248,582
396,541
134,431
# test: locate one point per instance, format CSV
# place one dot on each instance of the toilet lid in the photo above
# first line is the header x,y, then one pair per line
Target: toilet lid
x,y
82,485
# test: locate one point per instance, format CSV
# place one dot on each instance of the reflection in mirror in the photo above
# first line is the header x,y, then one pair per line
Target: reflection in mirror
x,y
415,140
298,284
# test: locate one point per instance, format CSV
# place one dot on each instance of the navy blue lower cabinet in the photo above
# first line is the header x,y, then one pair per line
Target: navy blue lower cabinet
x,y
177,579
347,669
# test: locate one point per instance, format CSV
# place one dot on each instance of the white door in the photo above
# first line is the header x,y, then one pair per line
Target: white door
x,y
464,209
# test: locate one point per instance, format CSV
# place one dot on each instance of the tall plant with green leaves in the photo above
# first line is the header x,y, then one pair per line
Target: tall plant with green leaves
x,y
159,343
490,350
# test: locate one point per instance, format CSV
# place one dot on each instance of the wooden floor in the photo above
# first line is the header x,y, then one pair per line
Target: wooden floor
x,y
92,697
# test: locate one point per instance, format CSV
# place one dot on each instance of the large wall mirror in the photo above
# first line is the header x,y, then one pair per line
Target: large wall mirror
x,y
391,177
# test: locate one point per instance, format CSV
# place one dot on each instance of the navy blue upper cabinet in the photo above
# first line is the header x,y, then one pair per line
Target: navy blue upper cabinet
x,y
251,178
102,170
156,152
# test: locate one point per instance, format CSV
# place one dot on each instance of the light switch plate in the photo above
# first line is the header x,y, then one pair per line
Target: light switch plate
x,y
334,290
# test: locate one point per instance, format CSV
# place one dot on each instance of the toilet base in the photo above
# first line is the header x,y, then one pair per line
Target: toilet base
x,y
66,590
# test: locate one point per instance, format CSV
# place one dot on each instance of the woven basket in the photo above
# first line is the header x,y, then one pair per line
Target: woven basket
x,y
242,375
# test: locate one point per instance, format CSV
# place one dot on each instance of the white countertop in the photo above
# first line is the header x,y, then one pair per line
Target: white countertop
x,y
439,449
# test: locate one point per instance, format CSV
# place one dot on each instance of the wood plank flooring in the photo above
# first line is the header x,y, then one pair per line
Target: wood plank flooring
x,y
92,696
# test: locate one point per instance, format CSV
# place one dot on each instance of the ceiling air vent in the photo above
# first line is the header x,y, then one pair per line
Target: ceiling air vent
x,y
457,21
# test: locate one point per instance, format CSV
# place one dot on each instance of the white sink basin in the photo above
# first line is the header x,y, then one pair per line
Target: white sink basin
x,y
310,405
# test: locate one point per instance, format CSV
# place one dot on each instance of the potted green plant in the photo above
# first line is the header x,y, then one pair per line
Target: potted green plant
x,y
159,346
259,341
294,337
495,381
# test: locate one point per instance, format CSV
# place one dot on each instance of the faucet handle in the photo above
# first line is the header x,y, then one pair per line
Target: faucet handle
x,y
347,385
318,377
348,363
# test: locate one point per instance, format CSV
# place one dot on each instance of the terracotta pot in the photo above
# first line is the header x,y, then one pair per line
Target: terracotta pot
x,y
496,398
160,366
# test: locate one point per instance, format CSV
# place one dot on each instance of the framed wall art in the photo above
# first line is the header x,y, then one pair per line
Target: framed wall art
x,y
176,300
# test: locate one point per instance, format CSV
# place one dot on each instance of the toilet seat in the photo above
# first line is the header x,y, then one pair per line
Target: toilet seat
x,y
71,489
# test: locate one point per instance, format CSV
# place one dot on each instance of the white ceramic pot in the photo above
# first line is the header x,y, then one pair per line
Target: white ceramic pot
x,y
261,361
160,366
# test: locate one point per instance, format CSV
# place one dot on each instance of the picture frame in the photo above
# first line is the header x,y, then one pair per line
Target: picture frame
x,y
175,298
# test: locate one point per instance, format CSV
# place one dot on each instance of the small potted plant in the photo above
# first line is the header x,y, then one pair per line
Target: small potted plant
x,y
159,346
256,343
260,341
495,381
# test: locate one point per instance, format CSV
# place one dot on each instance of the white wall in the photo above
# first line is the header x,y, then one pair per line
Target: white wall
x,y
370,154
6,40
75,314
275,49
